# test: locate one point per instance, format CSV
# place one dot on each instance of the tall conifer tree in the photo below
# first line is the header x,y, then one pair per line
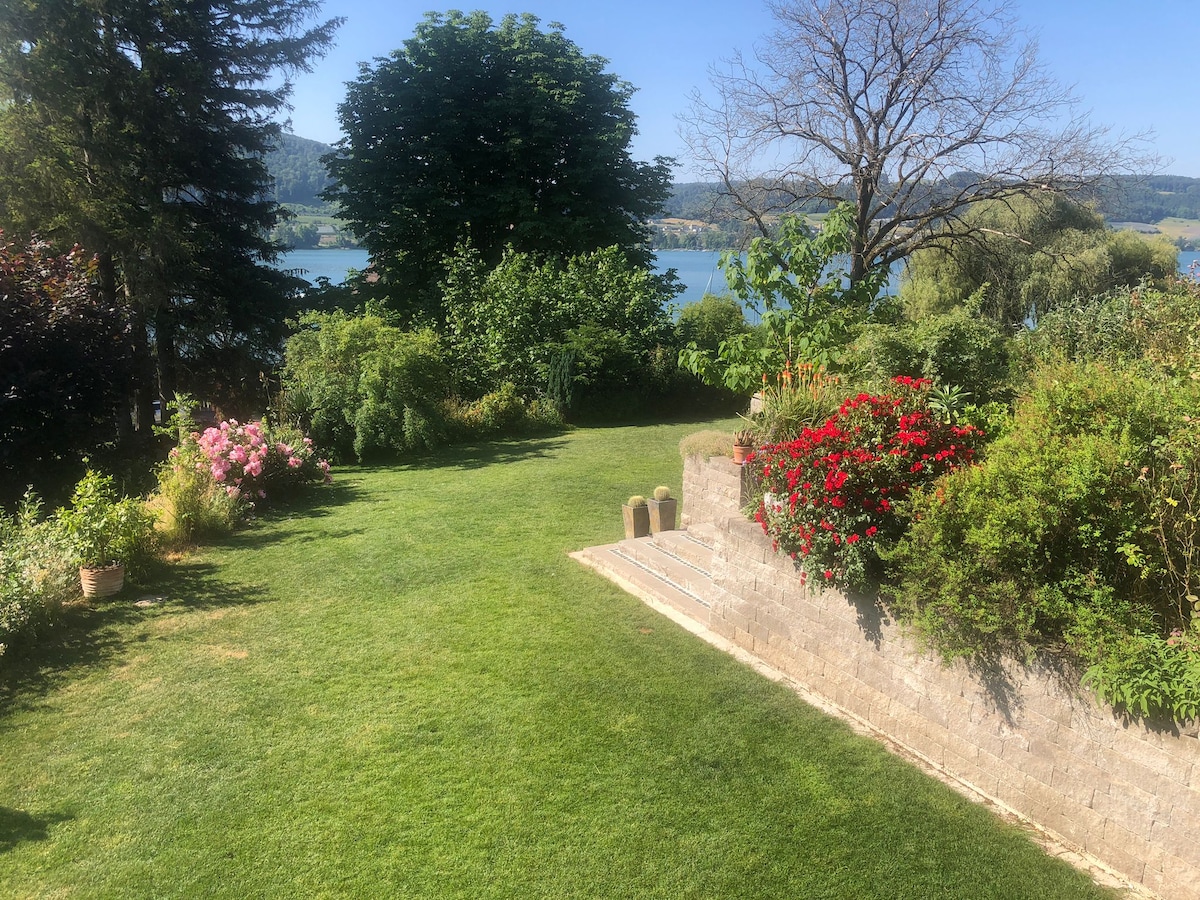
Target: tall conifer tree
x,y
138,128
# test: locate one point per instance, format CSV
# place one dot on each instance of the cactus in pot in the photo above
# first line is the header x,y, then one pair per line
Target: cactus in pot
x,y
663,508
637,517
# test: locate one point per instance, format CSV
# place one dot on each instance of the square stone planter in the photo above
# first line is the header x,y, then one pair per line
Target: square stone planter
x,y
662,514
637,520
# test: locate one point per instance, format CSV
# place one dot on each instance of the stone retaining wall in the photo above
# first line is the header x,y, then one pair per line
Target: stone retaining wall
x,y
1027,737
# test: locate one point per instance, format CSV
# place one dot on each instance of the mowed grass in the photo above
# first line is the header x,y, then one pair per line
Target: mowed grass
x,y
407,689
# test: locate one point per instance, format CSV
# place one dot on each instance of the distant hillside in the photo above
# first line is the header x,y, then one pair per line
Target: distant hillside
x,y
1134,199
1153,199
297,170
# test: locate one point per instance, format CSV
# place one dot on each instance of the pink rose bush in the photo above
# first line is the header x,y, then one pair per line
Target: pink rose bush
x,y
213,478
255,463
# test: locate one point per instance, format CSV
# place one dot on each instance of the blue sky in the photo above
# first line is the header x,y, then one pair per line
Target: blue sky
x,y
1135,66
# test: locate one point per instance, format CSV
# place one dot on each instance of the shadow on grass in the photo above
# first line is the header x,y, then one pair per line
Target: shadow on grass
x,y
316,503
481,455
19,827
97,635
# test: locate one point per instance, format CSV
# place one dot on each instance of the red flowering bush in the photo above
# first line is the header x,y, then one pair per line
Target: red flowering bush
x,y
829,497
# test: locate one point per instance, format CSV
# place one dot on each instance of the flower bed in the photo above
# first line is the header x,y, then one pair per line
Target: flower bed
x,y
248,459
829,497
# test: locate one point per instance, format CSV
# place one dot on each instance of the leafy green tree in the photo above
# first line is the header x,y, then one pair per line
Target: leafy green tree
x,y
596,319
1032,254
710,320
498,135
138,129
808,304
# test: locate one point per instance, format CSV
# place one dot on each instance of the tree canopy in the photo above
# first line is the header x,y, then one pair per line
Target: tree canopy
x,y
911,109
66,363
494,134
1023,257
138,129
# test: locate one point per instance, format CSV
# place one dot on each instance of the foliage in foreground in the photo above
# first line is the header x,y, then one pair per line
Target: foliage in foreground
x,y
1077,533
103,529
40,556
37,573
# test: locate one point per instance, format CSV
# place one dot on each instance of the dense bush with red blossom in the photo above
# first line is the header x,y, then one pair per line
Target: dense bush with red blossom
x,y
829,497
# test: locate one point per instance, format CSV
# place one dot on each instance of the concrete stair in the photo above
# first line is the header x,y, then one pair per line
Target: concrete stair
x,y
670,567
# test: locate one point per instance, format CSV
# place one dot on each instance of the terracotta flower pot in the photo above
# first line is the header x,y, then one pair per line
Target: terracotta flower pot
x,y
740,452
103,581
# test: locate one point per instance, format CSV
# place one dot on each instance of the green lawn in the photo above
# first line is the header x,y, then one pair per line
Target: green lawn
x,y
407,689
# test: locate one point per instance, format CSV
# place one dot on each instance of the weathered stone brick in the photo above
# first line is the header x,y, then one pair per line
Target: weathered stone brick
x,y
1130,808
1039,768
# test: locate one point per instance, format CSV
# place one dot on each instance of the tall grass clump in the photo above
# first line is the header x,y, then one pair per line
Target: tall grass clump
x,y
37,573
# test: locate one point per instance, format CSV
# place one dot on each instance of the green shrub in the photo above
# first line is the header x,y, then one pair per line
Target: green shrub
x,y
37,573
1149,674
501,413
103,530
1075,533
360,386
954,348
189,504
1031,255
578,330
709,321
1155,325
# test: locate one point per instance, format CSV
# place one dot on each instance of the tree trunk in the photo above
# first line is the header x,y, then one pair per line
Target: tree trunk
x,y
144,394
167,356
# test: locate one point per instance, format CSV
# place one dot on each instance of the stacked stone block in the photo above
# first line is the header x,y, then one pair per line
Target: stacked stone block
x,y
1026,736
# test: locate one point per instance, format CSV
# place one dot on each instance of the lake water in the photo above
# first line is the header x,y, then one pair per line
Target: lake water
x,y
697,269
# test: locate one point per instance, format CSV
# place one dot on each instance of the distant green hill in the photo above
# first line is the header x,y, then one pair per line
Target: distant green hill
x,y
297,171
1132,199
300,177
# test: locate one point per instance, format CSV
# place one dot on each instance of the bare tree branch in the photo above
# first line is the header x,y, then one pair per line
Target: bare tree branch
x,y
910,109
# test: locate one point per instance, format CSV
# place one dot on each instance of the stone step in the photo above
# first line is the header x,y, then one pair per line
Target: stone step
x,y
693,545
638,570
667,566
704,532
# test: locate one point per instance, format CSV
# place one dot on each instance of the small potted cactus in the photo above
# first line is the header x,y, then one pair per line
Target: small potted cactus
x,y
743,445
662,510
637,517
